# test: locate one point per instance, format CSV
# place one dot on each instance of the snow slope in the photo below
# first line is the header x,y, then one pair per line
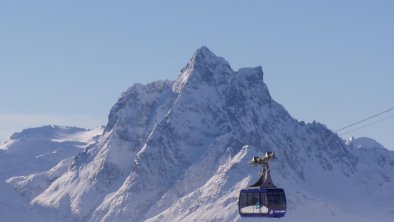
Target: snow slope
x,y
178,151
31,151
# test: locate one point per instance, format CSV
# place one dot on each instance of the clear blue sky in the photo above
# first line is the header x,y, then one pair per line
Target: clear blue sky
x,y
66,62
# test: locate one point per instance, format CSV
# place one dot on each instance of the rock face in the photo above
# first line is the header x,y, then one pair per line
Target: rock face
x,y
178,151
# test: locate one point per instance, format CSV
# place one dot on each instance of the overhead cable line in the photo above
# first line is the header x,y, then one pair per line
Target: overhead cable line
x,y
363,120
373,123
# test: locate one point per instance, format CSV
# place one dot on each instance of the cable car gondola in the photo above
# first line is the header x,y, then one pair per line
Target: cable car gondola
x,y
263,198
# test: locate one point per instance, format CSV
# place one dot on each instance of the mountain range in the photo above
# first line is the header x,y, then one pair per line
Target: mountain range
x,y
179,151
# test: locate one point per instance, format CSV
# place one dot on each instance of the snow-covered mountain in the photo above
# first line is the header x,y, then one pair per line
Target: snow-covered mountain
x,y
179,151
31,151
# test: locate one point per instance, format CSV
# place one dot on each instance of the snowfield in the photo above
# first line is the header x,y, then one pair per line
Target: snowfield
x,y
31,151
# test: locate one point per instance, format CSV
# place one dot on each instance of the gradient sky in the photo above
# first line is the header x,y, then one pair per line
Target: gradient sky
x,y
67,62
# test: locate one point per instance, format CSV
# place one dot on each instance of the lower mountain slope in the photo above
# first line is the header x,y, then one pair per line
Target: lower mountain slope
x,y
34,150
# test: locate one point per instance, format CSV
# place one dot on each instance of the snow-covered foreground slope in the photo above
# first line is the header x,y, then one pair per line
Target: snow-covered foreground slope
x,y
31,151
178,151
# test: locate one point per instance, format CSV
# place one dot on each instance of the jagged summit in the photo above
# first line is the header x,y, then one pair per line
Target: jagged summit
x,y
205,57
204,51
204,66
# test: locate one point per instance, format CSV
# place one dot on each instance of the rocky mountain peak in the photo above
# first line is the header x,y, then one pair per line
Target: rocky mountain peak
x,y
203,67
